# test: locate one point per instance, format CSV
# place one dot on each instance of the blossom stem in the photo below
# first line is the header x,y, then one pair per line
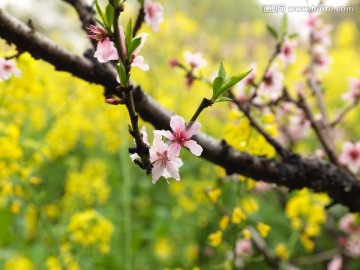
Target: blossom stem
x,y
126,203
278,148
318,130
118,43
203,105
139,20
141,148
343,113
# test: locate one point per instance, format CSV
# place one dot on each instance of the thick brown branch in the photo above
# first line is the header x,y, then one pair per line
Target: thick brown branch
x,y
295,173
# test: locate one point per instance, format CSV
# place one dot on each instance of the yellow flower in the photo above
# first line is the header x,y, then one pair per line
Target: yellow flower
x,y
51,210
215,238
249,205
15,207
89,228
282,251
306,212
237,215
307,243
163,249
18,263
214,194
52,263
263,229
224,222
246,233
220,171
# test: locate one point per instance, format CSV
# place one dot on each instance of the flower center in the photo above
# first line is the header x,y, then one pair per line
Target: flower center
x,y
162,157
354,154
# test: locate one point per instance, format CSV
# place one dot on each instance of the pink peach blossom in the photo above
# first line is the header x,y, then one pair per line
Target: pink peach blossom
x,y
106,51
195,60
346,223
313,21
350,156
153,14
181,135
271,87
243,248
165,160
322,35
287,53
353,94
8,68
335,263
321,59
97,32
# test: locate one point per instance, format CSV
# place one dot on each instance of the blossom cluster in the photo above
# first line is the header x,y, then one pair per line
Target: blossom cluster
x,y
193,62
320,41
350,226
106,50
165,155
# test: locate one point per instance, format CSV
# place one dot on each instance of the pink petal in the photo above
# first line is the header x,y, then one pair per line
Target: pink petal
x,y
168,135
173,170
106,51
139,62
157,172
177,123
174,150
194,128
194,147
122,38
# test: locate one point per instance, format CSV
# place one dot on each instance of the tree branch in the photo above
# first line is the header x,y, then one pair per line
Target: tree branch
x,y
86,14
295,173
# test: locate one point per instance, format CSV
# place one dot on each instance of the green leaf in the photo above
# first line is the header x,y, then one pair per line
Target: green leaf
x,y
222,72
272,31
134,44
223,99
122,74
234,80
217,84
293,35
110,15
100,22
128,33
284,25
98,9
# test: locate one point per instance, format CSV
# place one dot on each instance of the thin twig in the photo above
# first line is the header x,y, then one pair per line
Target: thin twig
x,y
318,130
343,113
278,148
139,21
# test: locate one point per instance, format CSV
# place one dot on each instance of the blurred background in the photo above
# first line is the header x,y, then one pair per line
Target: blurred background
x,y
70,197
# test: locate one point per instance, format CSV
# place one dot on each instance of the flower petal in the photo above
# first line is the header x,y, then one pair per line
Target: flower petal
x,y
174,150
173,170
177,123
139,62
194,147
157,171
194,128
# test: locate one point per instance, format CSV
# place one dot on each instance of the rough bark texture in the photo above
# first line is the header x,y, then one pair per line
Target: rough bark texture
x,y
294,173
